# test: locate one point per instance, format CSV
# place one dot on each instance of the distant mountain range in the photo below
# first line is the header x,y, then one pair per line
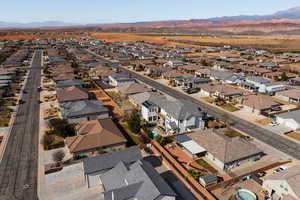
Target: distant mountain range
x,y
286,20
36,24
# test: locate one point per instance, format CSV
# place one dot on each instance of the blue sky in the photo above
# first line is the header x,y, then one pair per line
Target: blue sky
x,y
107,11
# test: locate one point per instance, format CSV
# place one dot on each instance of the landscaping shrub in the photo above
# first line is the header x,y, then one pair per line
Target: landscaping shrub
x,y
61,127
134,122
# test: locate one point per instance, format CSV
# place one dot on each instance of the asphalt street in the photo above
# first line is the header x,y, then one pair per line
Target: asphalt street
x,y
18,168
281,143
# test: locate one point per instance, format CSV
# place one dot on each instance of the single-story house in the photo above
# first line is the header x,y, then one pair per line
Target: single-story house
x,y
226,152
126,175
84,110
170,75
259,103
118,79
221,91
284,185
71,93
68,83
137,181
188,82
94,136
133,88
97,165
292,95
289,119
63,77
294,81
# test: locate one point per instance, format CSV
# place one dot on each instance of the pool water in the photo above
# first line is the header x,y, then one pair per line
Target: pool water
x,y
246,195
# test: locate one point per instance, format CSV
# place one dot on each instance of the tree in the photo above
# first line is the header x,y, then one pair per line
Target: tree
x,y
284,77
134,122
47,141
58,156
61,127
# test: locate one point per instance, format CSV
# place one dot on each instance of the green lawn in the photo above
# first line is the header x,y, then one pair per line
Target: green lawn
x,y
207,166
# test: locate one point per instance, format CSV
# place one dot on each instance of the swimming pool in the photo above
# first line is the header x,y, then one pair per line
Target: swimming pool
x,y
244,194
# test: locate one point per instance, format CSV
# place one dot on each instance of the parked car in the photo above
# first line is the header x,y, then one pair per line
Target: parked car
x,y
192,90
273,124
279,169
21,101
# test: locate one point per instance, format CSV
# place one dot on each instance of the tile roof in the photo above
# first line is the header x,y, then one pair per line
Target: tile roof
x,y
133,88
259,102
291,176
224,148
292,93
95,133
72,93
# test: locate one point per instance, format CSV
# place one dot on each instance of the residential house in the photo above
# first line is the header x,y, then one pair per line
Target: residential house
x,y
294,81
254,83
259,104
140,98
292,95
84,110
133,88
203,73
171,75
226,152
180,116
225,92
97,165
69,83
118,79
188,82
289,119
64,77
284,185
268,65
174,63
125,175
95,136
71,93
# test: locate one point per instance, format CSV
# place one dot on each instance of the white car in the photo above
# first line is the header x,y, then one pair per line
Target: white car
x,y
273,124
279,169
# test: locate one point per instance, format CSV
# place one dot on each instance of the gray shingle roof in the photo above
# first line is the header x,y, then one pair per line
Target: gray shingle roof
x,y
180,110
140,180
86,107
295,115
139,99
109,160
68,83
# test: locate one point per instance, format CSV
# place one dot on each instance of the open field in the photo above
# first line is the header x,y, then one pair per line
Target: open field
x,y
273,42
280,42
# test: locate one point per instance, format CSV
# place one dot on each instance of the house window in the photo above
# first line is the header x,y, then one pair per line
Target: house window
x,y
154,118
150,119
